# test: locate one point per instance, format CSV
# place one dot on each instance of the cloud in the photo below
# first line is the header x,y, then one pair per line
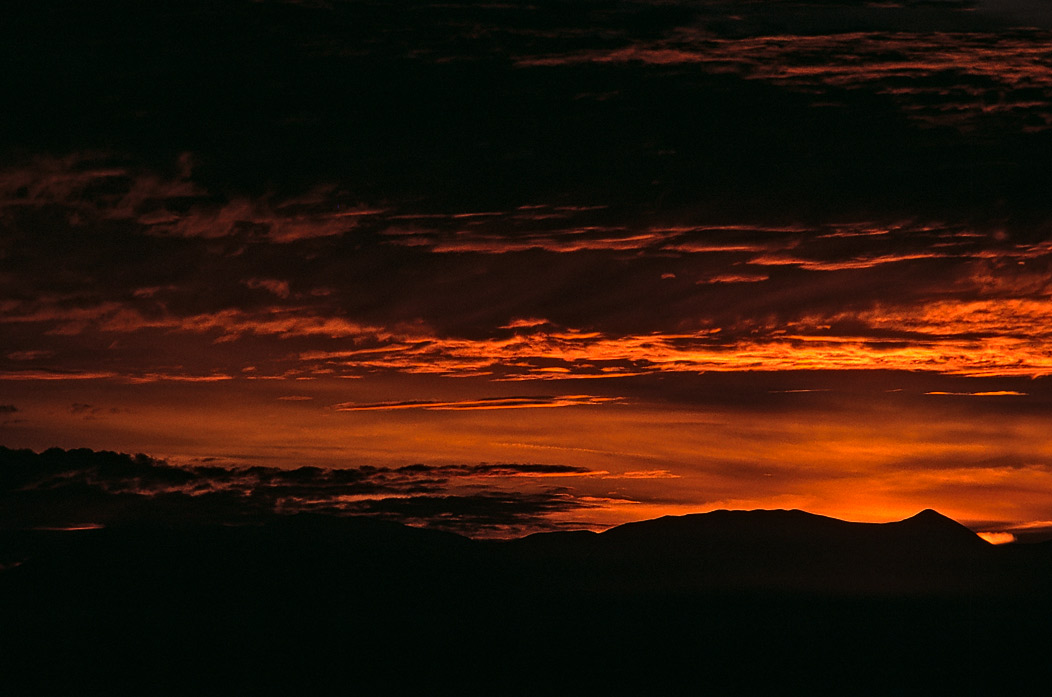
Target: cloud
x,y
492,513
90,412
278,288
169,206
525,323
952,319
735,278
857,263
996,338
29,355
49,318
644,474
995,393
89,183
912,295
531,402
55,375
935,77
59,489
8,409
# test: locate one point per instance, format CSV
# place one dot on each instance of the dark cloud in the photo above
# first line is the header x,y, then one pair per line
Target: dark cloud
x,y
430,105
8,409
503,513
1026,13
58,488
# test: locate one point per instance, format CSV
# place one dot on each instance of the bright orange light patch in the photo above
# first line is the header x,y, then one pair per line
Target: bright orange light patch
x,y
997,538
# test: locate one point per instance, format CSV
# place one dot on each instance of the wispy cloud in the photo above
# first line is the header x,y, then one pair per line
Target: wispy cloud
x,y
531,402
735,278
810,344
843,264
994,393
49,375
932,75
174,206
644,474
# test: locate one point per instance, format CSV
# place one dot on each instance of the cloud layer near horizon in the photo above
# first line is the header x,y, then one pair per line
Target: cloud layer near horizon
x,y
60,489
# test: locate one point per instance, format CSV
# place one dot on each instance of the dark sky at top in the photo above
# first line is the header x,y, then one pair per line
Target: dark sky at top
x,y
779,111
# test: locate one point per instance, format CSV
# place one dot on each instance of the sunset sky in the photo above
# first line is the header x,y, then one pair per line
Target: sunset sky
x,y
538,264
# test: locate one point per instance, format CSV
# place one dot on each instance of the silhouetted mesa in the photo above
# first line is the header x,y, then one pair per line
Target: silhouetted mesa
x,y
773,550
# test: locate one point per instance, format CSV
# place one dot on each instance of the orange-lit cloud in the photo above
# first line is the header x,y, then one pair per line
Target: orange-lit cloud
x,y
857,263
645,474
735,278
995,393
587,352
525,323
589,238
532,402
55,375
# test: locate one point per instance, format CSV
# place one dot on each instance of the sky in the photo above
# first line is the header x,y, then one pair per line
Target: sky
x,y
507,267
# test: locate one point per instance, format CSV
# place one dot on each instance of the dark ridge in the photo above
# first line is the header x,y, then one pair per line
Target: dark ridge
x,y
771,550
730,602
933,527
558,539
726,522
762,529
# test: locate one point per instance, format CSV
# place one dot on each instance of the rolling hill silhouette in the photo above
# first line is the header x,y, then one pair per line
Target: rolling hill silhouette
x,y
774,550
725,602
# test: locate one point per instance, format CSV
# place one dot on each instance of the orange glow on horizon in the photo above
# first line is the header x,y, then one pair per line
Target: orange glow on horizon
x,y
878,462
997,538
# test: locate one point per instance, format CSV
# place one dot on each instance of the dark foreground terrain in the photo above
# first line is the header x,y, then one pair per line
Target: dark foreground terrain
x,y
727,602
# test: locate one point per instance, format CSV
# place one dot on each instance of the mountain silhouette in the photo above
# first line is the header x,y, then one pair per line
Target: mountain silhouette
x,y
728,602
788,526
770,549
932,528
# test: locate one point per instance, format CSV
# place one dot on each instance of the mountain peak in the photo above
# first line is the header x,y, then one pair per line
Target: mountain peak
x,y
928,514
930,518
937,527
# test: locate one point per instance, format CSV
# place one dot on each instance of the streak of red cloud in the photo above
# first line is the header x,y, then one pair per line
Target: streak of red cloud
x,y
541,402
